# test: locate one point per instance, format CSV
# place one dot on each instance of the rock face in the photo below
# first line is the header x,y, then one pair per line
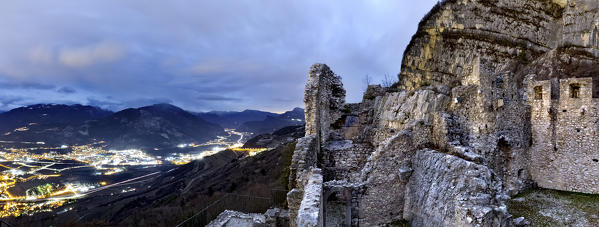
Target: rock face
x,y
476,117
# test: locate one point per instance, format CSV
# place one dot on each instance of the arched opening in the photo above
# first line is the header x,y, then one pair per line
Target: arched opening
x,y
332,197
337,210
520,173
503,146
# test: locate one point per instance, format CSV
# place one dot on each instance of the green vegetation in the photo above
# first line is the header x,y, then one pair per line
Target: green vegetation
x,y
287,155
394,87
368,97
398,223
522,56
425,83
346,110
533,203
41,190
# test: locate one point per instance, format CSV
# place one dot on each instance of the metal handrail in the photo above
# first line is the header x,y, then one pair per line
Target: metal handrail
x,y
231,201
5,224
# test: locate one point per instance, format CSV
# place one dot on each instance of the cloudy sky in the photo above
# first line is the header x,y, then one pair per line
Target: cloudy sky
x,y
200,55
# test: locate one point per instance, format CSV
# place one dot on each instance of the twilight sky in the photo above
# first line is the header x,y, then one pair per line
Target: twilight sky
x,y
200,55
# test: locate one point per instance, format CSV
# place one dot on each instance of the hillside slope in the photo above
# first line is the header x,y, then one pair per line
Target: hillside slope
x,y
169,197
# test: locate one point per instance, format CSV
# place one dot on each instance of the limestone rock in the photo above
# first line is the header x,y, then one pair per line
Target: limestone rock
x,y
458,192
465,127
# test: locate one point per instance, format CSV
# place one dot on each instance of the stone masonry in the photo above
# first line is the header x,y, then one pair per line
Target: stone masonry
x,y
494,97
564,136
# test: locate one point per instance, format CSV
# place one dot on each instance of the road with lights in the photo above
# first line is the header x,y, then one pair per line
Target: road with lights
x,y
39,178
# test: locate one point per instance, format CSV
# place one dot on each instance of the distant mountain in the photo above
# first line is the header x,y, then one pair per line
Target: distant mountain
x,y
49,114
231,119
255,121
274,122
151,126
296,113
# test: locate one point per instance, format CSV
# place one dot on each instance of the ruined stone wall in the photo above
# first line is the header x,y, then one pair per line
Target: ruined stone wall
x,y
463,128
563,155
471,51
324,96
445,190
384,179
343,160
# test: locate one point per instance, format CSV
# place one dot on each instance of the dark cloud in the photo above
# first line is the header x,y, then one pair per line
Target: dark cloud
x,y
5,101
8,102
67,90
200,55
26,85
120,105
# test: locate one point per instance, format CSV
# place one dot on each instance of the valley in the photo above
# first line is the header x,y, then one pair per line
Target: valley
x,y
39,178
54,156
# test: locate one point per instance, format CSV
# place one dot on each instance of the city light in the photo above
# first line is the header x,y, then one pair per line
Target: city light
x,y
40,162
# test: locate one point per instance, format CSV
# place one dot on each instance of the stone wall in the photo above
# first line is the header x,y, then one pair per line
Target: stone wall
x,y
324,96
563,155
311,208
385,178
464,119
445,190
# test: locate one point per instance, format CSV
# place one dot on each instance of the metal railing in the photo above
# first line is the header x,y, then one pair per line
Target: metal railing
x,y
4,224
236,202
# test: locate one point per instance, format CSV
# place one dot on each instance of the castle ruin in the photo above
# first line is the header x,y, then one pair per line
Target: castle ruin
x,y
494,98
565,142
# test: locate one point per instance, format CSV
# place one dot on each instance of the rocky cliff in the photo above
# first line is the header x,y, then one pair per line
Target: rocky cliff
x,y
455,139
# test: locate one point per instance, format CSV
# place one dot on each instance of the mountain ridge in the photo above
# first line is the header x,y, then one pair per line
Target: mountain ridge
x,y
148,126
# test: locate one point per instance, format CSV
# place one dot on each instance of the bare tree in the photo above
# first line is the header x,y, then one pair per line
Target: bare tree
x,y
367,80
388,81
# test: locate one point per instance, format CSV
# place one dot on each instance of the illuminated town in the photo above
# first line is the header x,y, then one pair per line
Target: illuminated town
x,y
29,174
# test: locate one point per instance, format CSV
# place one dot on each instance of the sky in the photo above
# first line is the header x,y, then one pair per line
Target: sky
x,y
199,55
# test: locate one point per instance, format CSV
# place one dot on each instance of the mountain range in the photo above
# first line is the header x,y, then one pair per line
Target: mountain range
x,y
159,125
255,121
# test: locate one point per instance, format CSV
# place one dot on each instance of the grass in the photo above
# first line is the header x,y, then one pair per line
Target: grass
x,y
425,83
346,110
368,97
532,203
398,223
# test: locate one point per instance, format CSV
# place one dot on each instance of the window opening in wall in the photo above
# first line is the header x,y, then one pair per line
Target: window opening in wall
x,y
538,92
575,91
595,160
504,146
520,173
